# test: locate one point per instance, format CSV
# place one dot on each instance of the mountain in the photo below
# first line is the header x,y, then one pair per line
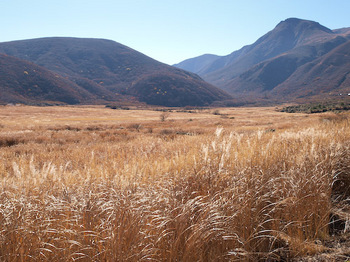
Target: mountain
x,y
275,62
285,36
112,71
25,82
266,76
199,64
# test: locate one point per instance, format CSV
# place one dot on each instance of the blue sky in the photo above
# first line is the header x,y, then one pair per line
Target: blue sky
x,y
168,31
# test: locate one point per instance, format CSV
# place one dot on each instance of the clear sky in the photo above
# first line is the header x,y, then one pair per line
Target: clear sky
x,y
167,30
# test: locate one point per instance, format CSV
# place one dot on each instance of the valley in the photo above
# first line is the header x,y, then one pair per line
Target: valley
x,y
109,155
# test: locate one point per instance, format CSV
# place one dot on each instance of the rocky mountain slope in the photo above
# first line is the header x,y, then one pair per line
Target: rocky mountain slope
x,y
279,66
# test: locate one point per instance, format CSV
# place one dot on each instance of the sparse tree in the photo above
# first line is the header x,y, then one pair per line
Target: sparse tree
x,y
164,116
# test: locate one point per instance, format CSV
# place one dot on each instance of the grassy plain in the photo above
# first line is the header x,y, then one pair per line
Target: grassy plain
x,y
228,184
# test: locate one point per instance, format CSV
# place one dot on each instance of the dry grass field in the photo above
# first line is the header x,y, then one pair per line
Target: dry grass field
x,y
234,184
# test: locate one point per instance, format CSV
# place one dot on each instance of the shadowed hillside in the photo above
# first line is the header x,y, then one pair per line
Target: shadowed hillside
x,y
24,82
97,64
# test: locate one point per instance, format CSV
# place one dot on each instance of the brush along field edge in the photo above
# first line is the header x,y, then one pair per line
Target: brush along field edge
x,y
211,197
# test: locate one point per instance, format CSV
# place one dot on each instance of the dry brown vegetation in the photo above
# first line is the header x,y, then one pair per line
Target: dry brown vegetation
x,y
244,184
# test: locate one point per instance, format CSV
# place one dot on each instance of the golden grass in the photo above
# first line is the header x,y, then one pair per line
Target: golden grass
x,y
95,184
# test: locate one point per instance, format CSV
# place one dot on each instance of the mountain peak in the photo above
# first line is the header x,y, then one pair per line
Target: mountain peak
x,y
297,25
294,20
